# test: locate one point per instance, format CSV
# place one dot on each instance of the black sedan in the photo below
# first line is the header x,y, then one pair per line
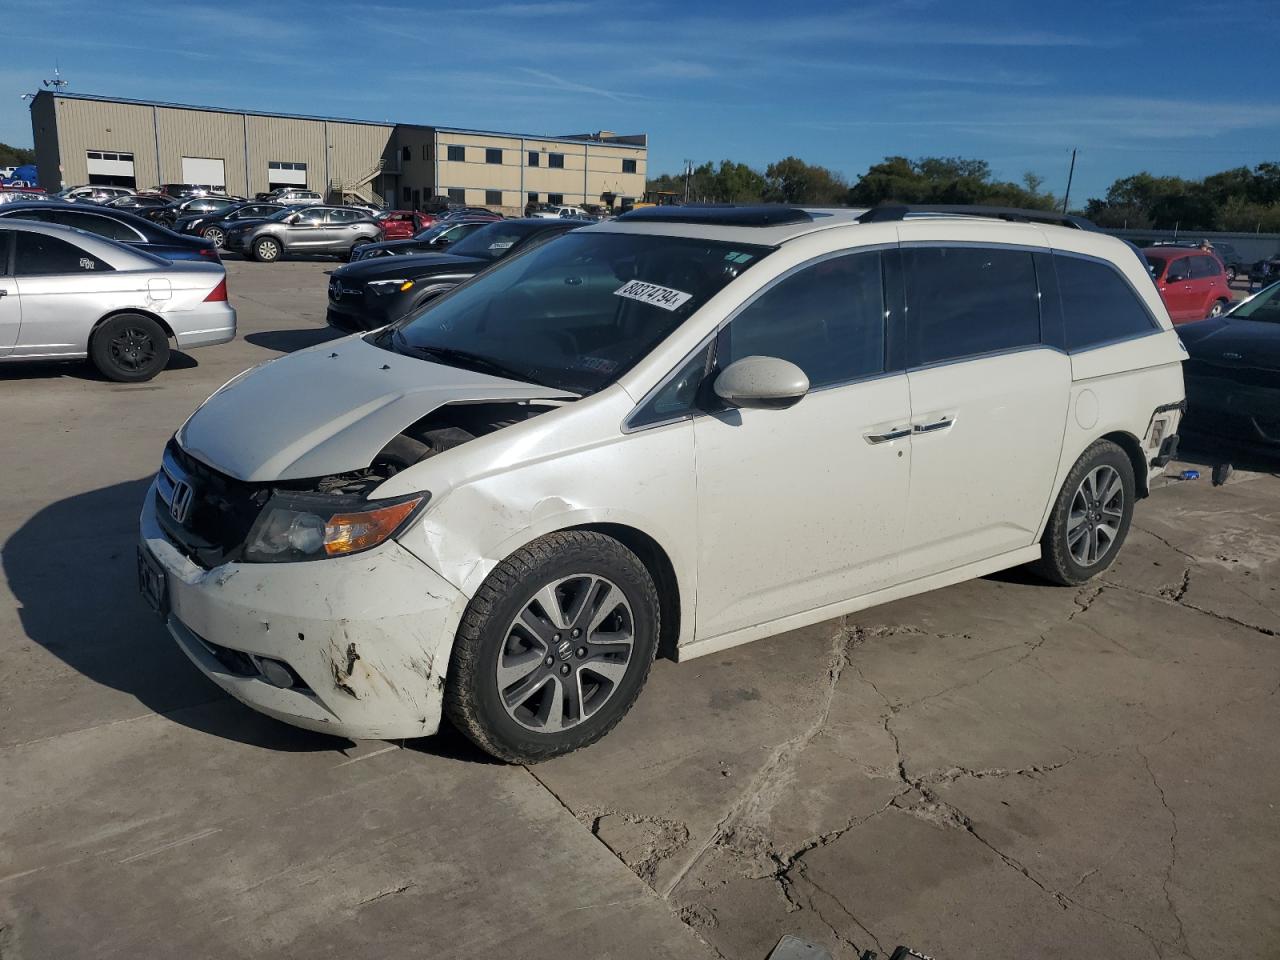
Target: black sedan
x,y
1233,375
188,207
372,293
115,224
434,239
213,224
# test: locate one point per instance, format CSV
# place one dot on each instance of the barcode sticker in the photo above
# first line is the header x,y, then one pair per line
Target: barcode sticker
x,y
652,294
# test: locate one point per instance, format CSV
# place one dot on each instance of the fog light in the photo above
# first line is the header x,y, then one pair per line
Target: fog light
x,y
275,672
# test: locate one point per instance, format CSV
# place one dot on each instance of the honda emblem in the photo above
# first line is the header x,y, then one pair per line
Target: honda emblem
x,y
180,504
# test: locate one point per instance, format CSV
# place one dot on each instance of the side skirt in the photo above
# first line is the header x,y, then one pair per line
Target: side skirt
x,y
700,648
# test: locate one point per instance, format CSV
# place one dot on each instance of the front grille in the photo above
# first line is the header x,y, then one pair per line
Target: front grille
x,y
207,514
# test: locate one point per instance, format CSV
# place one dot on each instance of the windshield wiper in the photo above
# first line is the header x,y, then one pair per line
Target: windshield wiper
x,y
464,359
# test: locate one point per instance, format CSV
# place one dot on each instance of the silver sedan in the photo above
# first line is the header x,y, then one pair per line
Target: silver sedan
x,y
68,294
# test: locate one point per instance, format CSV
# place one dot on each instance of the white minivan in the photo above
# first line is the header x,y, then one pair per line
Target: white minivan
x,y
677,431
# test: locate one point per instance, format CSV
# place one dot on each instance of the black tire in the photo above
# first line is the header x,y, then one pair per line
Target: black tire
x,y
1059,561
473,701
267,250
129,348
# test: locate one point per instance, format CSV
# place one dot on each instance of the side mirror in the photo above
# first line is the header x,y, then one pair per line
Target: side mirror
x,y
766,383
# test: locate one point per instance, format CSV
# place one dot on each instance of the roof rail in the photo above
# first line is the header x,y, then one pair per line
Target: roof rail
x,y
887,214
721,214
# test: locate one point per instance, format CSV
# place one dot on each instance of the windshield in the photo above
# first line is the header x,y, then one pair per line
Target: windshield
x,y
1264,306
574,313
433,231
491,242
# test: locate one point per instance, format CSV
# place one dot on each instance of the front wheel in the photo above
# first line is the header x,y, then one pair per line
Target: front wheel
x,y
1090,518
266,250
129,348
554,648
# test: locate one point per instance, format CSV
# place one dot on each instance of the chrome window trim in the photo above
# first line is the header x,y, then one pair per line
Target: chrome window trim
x,y
628,428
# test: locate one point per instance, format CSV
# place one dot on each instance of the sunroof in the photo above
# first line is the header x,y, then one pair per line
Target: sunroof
x,y
764,215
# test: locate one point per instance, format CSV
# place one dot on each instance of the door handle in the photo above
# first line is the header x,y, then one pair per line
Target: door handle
x,y
944,424
895,434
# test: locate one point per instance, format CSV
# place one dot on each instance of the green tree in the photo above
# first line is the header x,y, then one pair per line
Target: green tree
x,y
943,180
16,156
791,180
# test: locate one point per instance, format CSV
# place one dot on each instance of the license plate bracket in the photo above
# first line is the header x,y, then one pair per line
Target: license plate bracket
x,y
152,582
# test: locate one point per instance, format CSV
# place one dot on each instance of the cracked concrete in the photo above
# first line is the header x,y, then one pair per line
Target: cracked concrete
x,y
998,769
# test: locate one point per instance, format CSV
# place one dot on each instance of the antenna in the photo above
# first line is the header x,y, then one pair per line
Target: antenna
x,y
57,82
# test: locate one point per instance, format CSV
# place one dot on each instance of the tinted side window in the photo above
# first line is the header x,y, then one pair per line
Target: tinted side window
x,y
38,255
102,226
1179,270
1098,305
344,216
310,217
1203,267
827,318
964,301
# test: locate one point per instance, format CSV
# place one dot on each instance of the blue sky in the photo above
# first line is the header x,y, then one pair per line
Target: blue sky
x,y
1134,86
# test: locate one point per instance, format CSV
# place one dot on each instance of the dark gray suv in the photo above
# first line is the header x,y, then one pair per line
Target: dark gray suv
x,y
329,230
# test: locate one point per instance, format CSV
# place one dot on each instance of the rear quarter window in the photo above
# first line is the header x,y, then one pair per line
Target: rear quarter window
x,y
1098,304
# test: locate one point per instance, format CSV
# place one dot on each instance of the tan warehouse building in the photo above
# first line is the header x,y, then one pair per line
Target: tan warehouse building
x,y
81,138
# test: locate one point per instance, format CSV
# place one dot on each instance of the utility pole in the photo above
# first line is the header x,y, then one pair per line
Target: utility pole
x,y
1070,174
688,173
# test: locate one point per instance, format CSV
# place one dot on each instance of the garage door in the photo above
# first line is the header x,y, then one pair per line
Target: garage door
x,y
204,171
283,173
110,168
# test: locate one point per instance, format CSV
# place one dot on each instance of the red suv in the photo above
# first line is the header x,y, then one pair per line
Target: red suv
x,y
402,224
1192,284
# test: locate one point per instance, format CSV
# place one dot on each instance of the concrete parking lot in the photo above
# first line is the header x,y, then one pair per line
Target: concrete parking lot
x,y
998,769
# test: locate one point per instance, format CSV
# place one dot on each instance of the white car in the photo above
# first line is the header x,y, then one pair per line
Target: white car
x,y
551,213
66,294
681,430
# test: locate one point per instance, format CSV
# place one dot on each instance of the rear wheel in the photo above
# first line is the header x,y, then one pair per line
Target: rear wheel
x,y
266,250
129,348
554,647
1219,308
1231,274
215,236
1090,518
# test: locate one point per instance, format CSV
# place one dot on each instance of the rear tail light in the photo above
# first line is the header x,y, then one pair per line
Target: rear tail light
x,y
218,293
209,253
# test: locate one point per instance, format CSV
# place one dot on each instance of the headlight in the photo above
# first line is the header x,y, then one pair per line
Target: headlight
x,y
302,526
381,287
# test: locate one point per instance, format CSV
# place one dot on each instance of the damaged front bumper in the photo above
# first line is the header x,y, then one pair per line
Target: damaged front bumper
x,y
356,646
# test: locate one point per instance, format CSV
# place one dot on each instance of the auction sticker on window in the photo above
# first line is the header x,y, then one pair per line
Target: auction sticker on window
x,y
652,294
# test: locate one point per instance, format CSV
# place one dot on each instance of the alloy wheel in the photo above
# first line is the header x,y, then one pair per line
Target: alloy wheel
x,y
565,654
1096,516
267,250
215,236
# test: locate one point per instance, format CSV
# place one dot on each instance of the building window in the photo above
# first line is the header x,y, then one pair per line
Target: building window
x,y
555,199
458,153
492,155
493,198
535,159
406,154
286,173
628,166
457,193
405,195
533,196
426,151
555,160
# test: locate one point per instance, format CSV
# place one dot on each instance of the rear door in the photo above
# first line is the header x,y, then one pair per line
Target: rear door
x,y
988,402
342,229
1209,284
